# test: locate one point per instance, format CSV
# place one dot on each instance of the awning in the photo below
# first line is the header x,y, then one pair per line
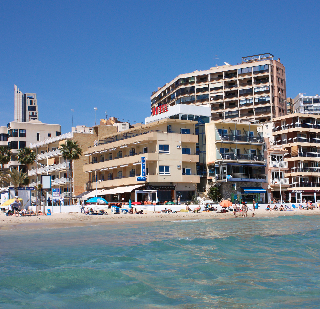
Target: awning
x,y
253,190
121,189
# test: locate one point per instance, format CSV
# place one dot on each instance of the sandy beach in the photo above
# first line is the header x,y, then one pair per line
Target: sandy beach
x,y
62,220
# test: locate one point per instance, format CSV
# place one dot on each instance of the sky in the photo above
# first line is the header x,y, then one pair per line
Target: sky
x,y
78,55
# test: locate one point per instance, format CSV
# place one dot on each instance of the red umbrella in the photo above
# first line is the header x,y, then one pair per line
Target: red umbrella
x,y
136,203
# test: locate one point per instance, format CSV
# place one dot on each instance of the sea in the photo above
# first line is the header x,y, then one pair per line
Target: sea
x,y
216,263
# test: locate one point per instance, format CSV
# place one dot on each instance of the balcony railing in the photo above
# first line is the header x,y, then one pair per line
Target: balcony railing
x,y
297,124
306,184
277,181
242,138
240,176
281,164
233,156
306,170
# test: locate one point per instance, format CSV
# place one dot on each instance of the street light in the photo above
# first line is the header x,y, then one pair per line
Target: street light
x,y
72,110
95,115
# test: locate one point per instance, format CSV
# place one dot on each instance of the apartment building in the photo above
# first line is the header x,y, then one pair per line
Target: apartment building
x,y
25,106
21,134
306,104
235,160
156,161
299,135
253,90
49,160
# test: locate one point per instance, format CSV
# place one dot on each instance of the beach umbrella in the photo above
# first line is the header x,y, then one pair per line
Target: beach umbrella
x,y
225,203
136,203
12,200
98,200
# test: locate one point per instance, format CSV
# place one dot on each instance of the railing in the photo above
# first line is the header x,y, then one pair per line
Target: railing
x,y
50,154
60,181
296,125
239,176
233,156
281,164
47,169
306,184
242,138
277,181
306,170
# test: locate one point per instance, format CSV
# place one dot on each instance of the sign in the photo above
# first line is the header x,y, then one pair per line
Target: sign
x,y
143,170
55,194
22,188
46,181
159,110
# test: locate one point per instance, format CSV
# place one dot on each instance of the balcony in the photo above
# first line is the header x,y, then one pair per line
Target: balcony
x,y
242,138
296,125
47,155
48,169
281,164
60,181
248,157
282,181
241,177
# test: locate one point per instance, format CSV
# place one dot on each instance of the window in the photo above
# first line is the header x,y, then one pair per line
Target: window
x,y
132,152
184,131
38,137
163,148
32,108
22,144
223,132
110,156
22,133
58,133
119,155
13,133
110,176
94,159
3,137
132,173
164,170
14,145
49,134
186,151
145,150
120,174
186,171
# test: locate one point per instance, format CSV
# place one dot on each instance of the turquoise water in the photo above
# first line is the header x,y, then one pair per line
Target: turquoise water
x,y
235,263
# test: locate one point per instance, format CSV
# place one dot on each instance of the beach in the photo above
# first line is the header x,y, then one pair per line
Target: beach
x,y
62,220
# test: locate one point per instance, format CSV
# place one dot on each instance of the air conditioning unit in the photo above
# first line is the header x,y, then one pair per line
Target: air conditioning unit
x,y
179,167
178,146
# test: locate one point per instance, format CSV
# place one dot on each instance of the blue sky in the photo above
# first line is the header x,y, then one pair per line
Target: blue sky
x,y
112,54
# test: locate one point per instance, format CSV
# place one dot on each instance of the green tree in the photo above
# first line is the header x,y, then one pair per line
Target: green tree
x,y
26,156
17,179
214,193
5,155
71,151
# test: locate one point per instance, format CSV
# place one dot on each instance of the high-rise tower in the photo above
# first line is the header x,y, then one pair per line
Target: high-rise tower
x,y
25,106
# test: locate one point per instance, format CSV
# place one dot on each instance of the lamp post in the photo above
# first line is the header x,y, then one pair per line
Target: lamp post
x,y
95,115
72,110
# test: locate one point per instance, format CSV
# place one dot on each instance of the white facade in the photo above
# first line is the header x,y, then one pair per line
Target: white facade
x,y
306,104
25,106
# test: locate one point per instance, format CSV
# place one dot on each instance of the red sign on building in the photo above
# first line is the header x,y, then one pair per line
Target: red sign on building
x,y
159,110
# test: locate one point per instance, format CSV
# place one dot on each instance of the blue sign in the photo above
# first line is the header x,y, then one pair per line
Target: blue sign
x,y
143,166
143,170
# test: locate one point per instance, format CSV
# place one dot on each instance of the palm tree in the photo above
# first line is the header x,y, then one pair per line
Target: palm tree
x,y
71,151
26,156
5,155
17,179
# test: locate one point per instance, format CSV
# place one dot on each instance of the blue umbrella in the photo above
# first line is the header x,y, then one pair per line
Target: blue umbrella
x,y
99,200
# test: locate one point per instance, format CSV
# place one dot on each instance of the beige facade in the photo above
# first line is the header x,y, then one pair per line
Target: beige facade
x,y
252,90
169,149
299,135
235,158
49,160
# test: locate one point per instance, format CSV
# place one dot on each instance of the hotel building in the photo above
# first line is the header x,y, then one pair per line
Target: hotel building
x,y
306,104
235,160
299,136
158,161
49,160
254,90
